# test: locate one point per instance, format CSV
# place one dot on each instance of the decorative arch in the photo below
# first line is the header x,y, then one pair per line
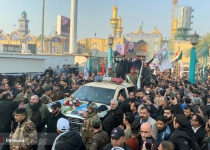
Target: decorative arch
x,y
15,35
95,45
29,37
3,36
142,46
56,39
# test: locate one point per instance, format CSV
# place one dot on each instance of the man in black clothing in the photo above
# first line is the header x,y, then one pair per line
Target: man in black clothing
x,y
198,128
122,68
49,71
75,70
7,107
183,136
169,114
117,140
116,112
51,122
65,88
123,103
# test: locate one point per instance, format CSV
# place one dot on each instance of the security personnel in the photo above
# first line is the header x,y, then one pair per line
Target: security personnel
x,y
110,73
87,132
100,138
25,135
132,77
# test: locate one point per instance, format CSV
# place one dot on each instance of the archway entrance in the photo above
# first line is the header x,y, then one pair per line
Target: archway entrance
x,y
142,49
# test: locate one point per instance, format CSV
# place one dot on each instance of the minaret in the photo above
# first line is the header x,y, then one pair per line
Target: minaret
x,y
23,23
73,27
119,28
114,21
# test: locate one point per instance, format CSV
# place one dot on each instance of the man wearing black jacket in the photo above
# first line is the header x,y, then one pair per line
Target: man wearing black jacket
x,y
116,112
51,122
7,107
183,136
122,68
124,104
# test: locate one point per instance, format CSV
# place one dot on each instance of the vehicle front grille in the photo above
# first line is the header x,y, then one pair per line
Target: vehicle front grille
x,y
75,124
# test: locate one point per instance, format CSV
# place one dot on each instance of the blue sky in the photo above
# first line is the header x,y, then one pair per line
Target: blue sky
x,y
94,15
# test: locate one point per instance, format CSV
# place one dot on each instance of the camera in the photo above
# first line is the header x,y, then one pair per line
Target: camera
x,y
196,109
148,144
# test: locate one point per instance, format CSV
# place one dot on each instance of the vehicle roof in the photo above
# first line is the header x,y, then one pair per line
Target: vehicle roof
x,y
108,85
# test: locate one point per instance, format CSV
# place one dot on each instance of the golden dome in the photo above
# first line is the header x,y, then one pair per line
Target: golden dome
x,y
115,7
138,31
155,31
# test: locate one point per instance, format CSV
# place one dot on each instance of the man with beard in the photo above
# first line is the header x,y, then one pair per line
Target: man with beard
x,y
51,121
58,94
188,112
139,94
131,49
131,98
25,134
169,114
36,111
19,90
25,95
7,107
116,112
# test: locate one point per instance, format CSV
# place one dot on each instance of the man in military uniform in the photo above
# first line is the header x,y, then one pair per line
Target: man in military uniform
x,y
87,132
110,73
25,135
45,99
100,138
132,77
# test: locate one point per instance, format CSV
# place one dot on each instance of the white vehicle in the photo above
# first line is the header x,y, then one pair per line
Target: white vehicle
x,y
98,92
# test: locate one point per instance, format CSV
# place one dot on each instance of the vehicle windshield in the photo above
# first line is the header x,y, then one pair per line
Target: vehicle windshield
x,y
95,94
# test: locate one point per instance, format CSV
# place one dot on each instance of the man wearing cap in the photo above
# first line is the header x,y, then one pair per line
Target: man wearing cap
x,y
87,129
51,121
25,134
132,77
110,73
67,140
46,97
117,140
100,138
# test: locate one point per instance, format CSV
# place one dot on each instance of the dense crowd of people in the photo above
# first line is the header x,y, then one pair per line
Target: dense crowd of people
x,y
166,113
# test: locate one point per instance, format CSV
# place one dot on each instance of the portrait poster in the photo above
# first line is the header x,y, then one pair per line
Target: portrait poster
x,y
130,49
119,50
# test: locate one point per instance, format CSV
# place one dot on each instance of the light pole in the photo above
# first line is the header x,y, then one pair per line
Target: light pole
x,y
42,36
194,42
110,42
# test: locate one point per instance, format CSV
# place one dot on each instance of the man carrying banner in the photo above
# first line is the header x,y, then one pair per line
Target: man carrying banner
x,y
132,77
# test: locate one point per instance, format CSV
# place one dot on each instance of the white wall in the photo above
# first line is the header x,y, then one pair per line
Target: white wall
x,y
19,65
49,60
